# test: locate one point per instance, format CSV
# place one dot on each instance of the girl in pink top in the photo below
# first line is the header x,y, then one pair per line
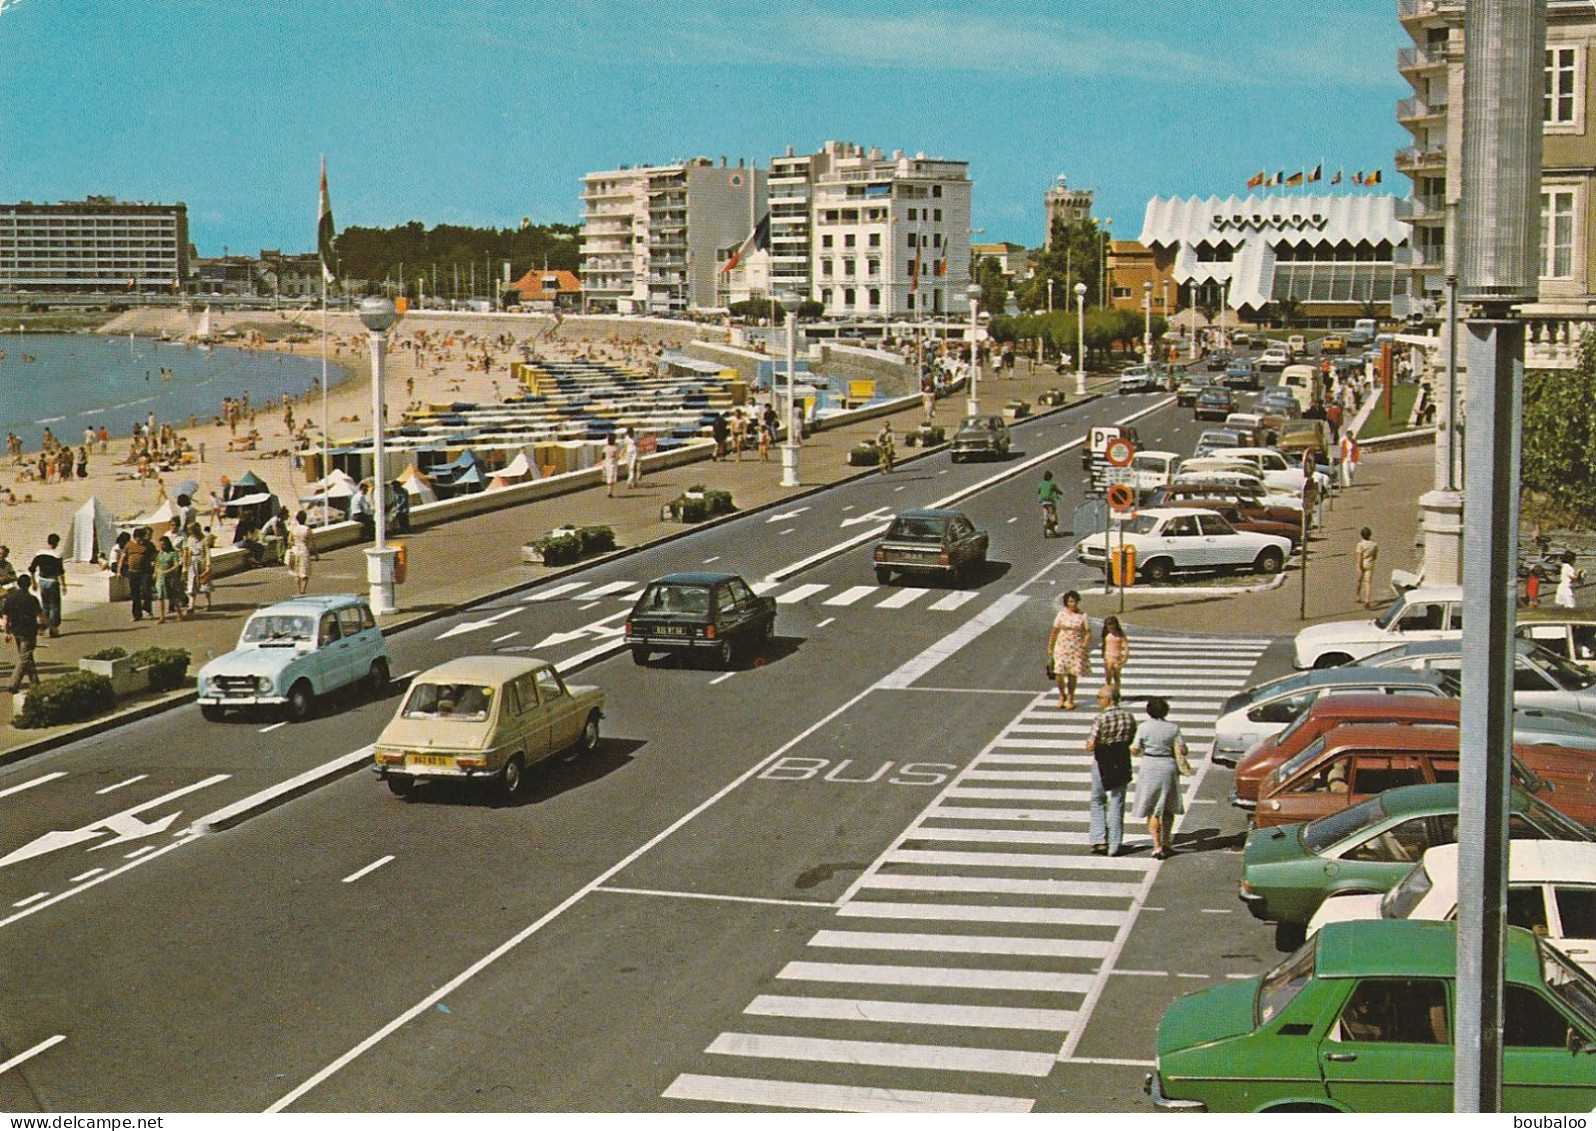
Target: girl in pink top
x,y
1116,650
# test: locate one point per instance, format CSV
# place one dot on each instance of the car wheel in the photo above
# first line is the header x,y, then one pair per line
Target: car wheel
x,y
212,713
883,575
400,785
639,655
726,653
590,734
1332,660
301,702
768,633
1270,560
377,678
512,777
1157,571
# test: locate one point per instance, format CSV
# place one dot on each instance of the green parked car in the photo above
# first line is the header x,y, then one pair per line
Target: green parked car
x,y
1288,870
1361,1019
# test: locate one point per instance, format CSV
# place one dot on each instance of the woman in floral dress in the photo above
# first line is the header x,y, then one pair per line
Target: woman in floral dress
x,y
1069,644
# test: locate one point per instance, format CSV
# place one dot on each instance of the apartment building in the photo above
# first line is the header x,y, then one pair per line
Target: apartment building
x,y
1064,203
1433,67
654,237
96,245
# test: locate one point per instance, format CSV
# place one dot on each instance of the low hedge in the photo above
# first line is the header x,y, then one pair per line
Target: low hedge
x,y
64,699
167,666
1051,397
699,503
864,455
566,545
112,653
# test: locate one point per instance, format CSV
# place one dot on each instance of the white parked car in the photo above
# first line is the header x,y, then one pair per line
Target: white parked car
x,y
1204,470
1152,470
1275,358
1428,613
1279,473
1140,379
1167,539
1541,678
1551,890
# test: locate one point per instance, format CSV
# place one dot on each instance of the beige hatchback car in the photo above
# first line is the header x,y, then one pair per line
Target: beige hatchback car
x,y
486,718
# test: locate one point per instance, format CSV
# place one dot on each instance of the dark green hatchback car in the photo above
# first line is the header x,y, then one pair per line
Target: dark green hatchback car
x,y
1288,870
1361,1019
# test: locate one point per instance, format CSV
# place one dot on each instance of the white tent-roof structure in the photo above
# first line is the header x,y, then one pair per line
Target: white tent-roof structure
x,y
92,532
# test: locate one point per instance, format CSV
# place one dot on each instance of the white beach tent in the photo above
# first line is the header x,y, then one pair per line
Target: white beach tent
x,y
339,485
159,520
417,486
92,532
519,470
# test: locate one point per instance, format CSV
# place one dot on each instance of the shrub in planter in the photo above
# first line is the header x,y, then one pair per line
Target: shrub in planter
x,y
596,539
1051,397
699,503
167,666
864,455
1014,410
112,653
69,698
928,434
558,548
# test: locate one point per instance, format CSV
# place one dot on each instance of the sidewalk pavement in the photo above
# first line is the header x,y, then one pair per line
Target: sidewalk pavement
x,y
1383,497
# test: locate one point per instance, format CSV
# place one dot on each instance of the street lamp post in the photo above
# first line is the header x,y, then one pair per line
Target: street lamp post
x,y
1080,339
1191,310
789,449
1147,322
379,315
973,405
1050,296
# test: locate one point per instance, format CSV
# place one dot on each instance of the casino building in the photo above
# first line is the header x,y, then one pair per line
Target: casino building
x,y
1335,255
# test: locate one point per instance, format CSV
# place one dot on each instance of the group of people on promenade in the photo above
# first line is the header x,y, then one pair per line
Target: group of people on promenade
x,y
1116,736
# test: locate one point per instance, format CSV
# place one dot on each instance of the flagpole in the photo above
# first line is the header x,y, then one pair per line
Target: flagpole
x,y
326,442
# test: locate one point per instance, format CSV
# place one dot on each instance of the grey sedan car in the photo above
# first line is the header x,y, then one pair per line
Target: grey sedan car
x,y
981,436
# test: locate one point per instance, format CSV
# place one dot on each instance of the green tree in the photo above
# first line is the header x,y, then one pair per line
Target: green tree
x,y
1075,257
1557,475
994,287
1289,310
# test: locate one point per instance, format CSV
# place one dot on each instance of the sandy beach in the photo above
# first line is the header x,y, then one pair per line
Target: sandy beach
x,y
431,359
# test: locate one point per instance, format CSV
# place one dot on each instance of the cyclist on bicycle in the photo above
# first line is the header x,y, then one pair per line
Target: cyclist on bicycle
x,y
1048,493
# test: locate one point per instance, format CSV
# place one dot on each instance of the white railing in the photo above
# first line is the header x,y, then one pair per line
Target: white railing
x,y
1553,342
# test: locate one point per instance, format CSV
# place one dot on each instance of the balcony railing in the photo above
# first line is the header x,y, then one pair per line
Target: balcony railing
x,y
1416,156
1419,9
1416,109
1553,343
1419,59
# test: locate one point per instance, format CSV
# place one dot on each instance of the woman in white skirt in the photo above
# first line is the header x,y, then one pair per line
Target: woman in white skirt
x,y
1162,749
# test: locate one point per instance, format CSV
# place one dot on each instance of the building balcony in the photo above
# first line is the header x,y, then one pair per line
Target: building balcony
x,y
1411,110
1422,208
1414,10
1552,341
1417,157
1411,60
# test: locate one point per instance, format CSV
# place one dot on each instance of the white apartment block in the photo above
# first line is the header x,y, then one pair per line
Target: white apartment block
x,y
93,246
654,237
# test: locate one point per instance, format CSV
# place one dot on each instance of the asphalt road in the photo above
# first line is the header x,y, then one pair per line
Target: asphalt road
x,y
850,875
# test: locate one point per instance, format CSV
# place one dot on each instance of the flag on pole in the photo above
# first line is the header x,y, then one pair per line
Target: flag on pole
x,y
1318,172
1336,180
1373,178
1357,178
1255,180
914,269
758,240
324,229
1295,178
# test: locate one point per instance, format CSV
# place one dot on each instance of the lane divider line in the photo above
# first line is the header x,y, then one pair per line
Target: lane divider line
x,y
120,784
48,1043
367,870
256,803
30,784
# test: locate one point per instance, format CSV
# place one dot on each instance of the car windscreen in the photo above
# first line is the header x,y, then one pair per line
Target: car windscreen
x,y
273,628
675,600
905,529
1141,524
1569,675
1286,981
1554,823
1399,902
1319,835
466,702
1573,987
1384,619
1306,755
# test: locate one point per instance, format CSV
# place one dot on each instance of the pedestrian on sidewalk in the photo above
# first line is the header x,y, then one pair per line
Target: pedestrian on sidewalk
x,y
300,551
886,448
612,455
1116,650
8,572
1109,744
138,566
1163,751
739,433
1567,575
49,575
928,398
1349,456
718,429
23,616
1364,554
632,458
197,566
168,580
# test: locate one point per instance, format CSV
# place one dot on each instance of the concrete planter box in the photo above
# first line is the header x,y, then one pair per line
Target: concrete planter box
x,y
125,678
1016,410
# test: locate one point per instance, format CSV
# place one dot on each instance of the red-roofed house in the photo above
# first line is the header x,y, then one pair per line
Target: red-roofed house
x,y
549,290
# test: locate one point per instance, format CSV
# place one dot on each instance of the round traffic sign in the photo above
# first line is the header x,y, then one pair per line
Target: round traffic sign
x,y
1121,497
1118,452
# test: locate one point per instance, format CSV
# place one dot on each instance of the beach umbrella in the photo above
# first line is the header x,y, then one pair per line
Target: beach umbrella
x,y
187,487
92,532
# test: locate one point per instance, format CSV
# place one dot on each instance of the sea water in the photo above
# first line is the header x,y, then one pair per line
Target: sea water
x,y
78,381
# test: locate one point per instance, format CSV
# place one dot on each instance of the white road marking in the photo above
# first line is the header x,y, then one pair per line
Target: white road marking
x,y
274,726
85,875
721,678
789,530
851,594
883,1053
954,600
120,784
138,852
585,608
823,623
1034,981
30,784
818,906
711,561
798,593
901,597
34,898
838,1097
1000,887
1016,518
556,591
610,587
33,1052
978,913
506,636
949,645
124,826
912,1013
765,586
960,944
367,870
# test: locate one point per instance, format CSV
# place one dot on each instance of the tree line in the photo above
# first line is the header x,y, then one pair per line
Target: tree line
x,y
447,256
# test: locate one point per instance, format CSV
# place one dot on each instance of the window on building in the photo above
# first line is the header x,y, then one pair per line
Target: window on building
x,y
912,242
936,190
1562,86
875,239
848,298
875,299
825,268
938,216
1557,233
850,240
848,267
936,239
1122,292
911,300
825,241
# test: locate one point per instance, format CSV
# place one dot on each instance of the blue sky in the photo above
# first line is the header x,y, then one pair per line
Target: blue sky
x,y
483,112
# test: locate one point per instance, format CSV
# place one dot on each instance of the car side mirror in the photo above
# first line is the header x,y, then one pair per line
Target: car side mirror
x,y
1576,1043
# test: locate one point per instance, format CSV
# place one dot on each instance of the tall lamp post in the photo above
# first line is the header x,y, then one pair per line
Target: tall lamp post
x,y
1147,322
789,449
1191,309
972,406
1168,323
378,316
1080,339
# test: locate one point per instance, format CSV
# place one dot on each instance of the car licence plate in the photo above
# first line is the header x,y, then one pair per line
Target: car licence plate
x,y
439,760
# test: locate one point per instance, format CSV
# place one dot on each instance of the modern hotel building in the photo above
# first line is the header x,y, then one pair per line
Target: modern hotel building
x,y
97,245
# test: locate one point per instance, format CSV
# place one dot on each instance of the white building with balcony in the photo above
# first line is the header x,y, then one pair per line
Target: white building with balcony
x,y
654,237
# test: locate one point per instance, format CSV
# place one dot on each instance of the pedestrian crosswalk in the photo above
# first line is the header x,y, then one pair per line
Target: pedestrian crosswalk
x,y
970,955
833,596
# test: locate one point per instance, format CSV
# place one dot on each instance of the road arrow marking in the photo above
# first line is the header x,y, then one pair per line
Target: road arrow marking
x,y
473,625
874,516
125,825
785,514
596,628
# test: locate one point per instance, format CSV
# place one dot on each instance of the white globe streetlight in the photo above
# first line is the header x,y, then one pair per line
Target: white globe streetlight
x,y
1080,339
972,406
789,449
379,315
1147,316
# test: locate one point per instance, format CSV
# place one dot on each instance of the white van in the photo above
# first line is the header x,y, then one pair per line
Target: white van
x,y
1297,345
1302,380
